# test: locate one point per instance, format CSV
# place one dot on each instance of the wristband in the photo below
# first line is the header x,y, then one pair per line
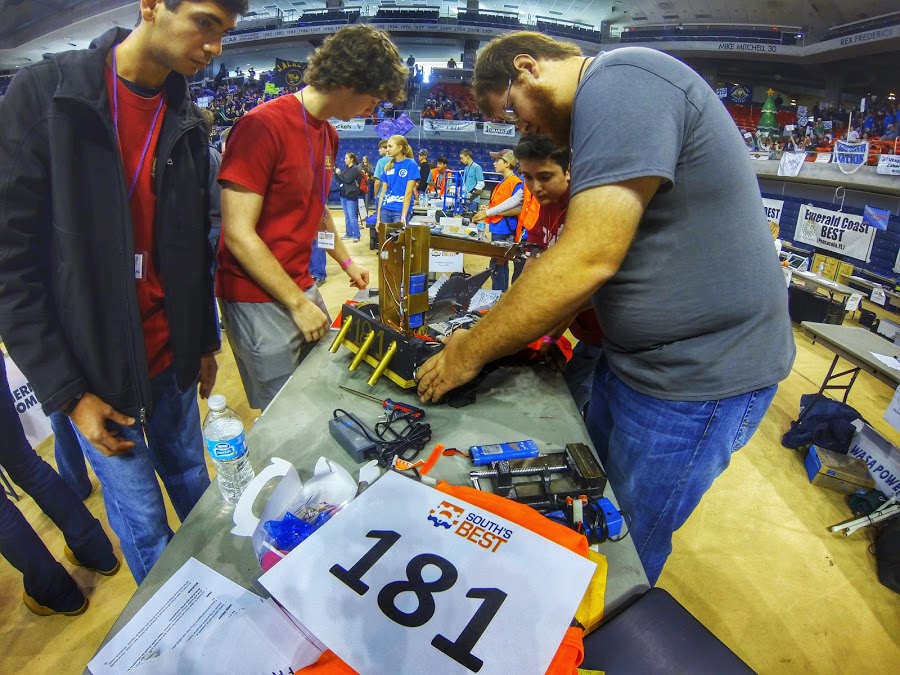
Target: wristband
x,y
548,340
346,263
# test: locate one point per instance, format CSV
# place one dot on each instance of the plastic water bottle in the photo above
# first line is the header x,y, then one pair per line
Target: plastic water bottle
x,y
821,268
481,234
223,431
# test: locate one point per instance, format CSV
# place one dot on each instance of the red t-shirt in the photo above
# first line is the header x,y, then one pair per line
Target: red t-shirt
x,y
545,232
267,152
136,114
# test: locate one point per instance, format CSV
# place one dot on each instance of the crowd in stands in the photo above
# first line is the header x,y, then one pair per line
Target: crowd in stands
x,y
451,102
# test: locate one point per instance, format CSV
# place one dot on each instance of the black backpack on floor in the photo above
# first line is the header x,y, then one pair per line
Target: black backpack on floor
x,y
887,553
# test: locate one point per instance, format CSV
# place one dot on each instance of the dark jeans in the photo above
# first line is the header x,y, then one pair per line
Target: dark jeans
x,y
44,578
317,262
500,270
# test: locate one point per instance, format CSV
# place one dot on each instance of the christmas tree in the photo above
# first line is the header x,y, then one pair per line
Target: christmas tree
x,y
768,123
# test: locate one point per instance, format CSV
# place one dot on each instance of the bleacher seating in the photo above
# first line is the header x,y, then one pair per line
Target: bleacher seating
x,y
314,17
862,26
482,17
567,29
404,14
710,33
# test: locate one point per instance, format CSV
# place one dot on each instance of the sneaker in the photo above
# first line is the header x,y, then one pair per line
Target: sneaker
x,y
107,572
43,610
356,241
320,282
346,236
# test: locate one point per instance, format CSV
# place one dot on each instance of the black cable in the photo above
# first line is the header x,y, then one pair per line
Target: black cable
x,y
390,442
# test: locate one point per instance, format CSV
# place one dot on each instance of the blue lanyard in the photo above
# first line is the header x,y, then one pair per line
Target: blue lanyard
x,y
140,165
323,190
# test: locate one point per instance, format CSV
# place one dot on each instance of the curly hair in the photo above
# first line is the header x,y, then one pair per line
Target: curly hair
x,y
361,58
494,67
234,6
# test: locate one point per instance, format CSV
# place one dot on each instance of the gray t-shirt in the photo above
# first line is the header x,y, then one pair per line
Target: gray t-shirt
x,y
698,309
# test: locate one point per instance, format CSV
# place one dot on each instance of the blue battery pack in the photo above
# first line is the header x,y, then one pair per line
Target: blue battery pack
x,y
485,454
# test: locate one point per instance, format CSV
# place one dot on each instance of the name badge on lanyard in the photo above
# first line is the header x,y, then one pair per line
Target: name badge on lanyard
x,y
139,266
325,240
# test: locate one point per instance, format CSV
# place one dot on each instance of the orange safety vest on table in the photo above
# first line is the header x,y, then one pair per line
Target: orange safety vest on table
x,y
571,650
531,208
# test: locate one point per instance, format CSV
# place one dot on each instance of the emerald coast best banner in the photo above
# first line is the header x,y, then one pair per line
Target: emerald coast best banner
x,y
843,233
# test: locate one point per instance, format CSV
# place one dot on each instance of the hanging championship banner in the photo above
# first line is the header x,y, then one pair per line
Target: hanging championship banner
x,y
495,129
448,125
877,218
888,165
288,73
842,233
773,208
791,162
349,125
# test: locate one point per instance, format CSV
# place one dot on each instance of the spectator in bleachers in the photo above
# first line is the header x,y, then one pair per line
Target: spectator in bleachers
x,y
401,173
890,133
472,181
451,63
853,135
273,311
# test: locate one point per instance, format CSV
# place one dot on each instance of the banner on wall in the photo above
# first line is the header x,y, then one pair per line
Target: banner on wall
x,y
494,129
740,94
452,126
823,157
843,233
773,208
877,218
791,163
288,73
349,125
888,165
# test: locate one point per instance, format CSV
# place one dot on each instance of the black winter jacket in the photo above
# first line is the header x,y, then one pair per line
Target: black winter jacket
x,y
349,179
68,304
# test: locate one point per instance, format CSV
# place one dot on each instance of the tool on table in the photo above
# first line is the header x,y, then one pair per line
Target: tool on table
x,y
389,404
544,482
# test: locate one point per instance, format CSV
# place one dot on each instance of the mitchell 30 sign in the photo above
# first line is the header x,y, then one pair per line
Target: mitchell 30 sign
x,y
836,231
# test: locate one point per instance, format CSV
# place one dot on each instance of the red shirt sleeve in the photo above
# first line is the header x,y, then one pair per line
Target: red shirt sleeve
x,y
251,154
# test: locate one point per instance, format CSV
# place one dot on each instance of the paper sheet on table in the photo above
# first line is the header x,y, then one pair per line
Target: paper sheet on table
x,y
194,600
889,361
260,639
483,299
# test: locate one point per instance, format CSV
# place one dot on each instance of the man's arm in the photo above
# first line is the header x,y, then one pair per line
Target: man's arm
x,y
585,257
240,213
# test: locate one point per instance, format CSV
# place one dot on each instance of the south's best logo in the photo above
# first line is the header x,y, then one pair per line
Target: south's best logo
x,y
471,526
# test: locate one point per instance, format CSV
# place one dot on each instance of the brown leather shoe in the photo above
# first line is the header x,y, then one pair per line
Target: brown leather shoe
x,y
41,610
72,559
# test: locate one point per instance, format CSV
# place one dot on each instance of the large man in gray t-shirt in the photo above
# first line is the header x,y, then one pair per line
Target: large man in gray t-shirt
x,y
668,240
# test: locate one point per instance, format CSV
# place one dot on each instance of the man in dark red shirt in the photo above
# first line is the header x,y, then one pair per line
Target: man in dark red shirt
x,y
107,301
275,177
545,170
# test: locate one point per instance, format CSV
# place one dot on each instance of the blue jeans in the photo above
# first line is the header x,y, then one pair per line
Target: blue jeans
x,y
393,215
70,462
134,502
500,270
662,456
579,374
351,216
317,262
44,578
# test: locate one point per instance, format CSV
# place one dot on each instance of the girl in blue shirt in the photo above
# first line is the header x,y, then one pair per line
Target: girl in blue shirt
x,y
400,177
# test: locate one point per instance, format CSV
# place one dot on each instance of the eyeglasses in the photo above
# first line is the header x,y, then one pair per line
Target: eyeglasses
x,y
508,113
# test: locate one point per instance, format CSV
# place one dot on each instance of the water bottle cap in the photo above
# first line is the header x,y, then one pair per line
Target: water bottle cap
x,y
217,402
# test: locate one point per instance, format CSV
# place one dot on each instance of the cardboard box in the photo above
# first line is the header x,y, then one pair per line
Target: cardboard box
x,y
834,471
880,455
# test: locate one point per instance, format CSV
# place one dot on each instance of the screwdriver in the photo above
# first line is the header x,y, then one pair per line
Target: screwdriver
x,y
390,405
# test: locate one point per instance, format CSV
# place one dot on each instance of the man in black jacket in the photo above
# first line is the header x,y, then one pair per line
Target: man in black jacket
x,y
106,291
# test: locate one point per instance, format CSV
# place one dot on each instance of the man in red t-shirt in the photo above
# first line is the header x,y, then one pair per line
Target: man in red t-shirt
x,y
545,170
276,173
